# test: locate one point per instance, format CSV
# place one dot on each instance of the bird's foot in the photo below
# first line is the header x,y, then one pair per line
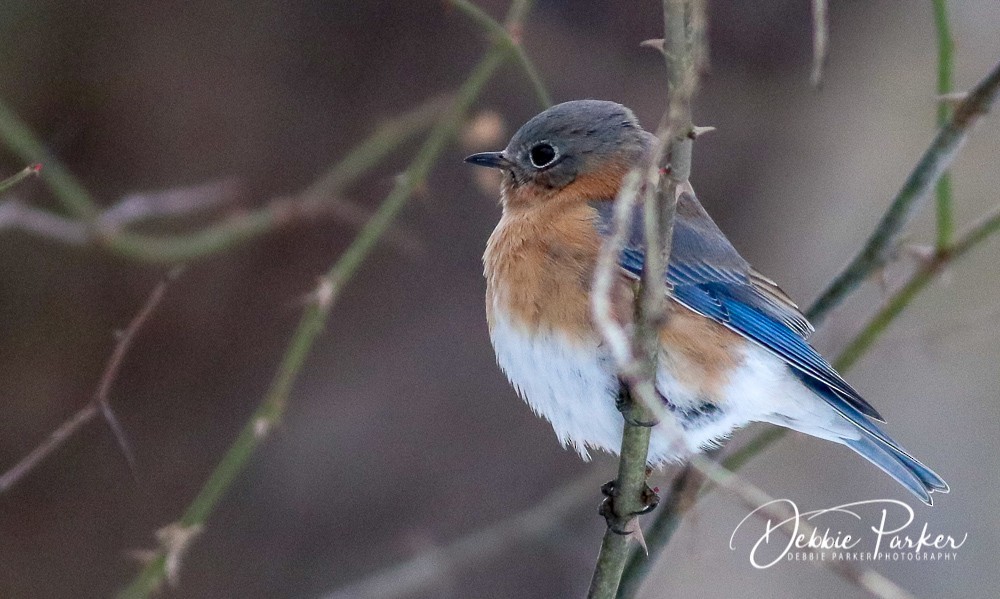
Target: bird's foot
x,y
626,405
617,521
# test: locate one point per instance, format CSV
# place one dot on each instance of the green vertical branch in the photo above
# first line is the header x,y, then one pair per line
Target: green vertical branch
x,y
945,67
665,177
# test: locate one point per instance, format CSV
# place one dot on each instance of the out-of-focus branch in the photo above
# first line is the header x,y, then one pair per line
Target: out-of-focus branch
x,y
234,230
323,198
422,571
510,40
658,184
909,200
945,66
821,36
272,407
178,202
926,272
110,227
765,507
17,216
100,403
133,209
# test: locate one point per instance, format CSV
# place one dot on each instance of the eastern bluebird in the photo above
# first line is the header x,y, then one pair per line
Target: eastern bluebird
x,y
733,350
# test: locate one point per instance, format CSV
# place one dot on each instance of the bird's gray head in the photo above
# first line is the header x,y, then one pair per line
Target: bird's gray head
x,y
568,142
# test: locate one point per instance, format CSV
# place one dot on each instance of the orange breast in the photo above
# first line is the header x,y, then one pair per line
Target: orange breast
x,y
539,264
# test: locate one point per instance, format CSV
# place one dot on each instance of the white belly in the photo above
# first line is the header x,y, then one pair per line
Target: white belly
x,y
574,387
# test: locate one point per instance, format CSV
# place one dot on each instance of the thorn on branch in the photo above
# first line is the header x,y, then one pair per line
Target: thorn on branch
x,y
655,44
120,437
261,427
697,132
953,99
175,539
635,531
324,293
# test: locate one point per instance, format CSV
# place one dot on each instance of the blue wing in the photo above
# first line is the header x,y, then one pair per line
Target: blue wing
x,y
707,275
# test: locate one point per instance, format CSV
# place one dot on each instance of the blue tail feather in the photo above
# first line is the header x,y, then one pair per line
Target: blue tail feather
x,y
878,447
904,468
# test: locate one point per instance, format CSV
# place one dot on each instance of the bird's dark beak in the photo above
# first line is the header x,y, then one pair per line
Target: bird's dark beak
x,y
490,159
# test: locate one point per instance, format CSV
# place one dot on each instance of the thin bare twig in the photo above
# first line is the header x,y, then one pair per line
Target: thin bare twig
x,y
821,36
100,403
607,272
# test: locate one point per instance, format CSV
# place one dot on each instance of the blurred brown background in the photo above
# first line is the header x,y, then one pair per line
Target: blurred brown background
x,y
402,434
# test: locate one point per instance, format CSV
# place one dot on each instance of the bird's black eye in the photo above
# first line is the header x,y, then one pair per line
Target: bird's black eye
x,y
542,155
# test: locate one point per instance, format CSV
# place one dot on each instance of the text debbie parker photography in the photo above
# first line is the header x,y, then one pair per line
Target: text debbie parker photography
x,y
887,533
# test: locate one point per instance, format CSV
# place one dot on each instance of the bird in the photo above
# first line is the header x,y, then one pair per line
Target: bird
x,y
732,350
